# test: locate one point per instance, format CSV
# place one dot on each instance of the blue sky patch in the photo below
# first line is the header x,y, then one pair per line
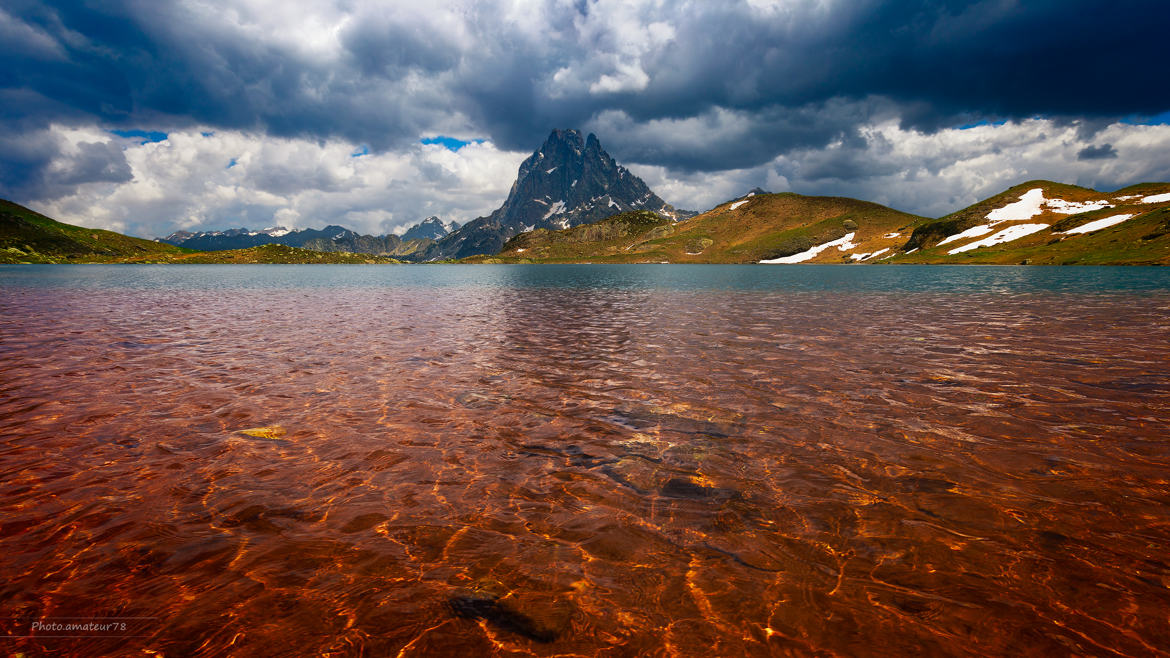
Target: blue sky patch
x,y
449,142
968,126
1148,120
362,150
144,136
231,164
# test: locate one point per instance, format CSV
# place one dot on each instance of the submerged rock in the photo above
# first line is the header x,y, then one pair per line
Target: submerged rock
x,y
275,432
688,488
539,620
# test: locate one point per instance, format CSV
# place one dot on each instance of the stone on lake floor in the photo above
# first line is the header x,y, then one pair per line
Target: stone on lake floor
x,y
536,617
687,488
274,432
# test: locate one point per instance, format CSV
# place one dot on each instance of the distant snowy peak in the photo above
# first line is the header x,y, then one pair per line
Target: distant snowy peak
x,y
431,228
243,238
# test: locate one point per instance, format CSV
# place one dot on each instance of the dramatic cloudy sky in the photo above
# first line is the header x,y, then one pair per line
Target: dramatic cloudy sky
x,y
148,116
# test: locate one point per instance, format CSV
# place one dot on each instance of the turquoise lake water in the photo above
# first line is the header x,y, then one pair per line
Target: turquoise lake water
x,y
894,278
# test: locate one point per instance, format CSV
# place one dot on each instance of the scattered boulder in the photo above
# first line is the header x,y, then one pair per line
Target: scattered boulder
x,y
696,246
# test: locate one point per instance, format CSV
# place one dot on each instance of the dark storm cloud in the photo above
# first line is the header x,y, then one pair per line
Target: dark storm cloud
x,y
1095,152
730,87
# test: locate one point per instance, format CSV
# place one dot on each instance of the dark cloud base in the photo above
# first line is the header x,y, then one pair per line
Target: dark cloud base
x,y
729,89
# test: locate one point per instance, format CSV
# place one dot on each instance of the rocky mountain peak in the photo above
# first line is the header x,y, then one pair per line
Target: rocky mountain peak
x,y
568,181
431,228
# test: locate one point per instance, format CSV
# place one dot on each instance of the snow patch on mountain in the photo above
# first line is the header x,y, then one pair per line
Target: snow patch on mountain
x,y
1075,207
1007,235
1026,208
1097,225
843,244
869,255
556,209
973,232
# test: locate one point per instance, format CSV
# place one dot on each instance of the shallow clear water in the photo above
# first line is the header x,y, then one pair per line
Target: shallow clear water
x,y
606,460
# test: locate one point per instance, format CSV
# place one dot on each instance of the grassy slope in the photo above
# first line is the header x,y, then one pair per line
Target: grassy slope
x,y
767,226
29,237
1141,240
276,254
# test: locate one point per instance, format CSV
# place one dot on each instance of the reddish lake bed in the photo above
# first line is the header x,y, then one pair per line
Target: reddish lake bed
x,y
585,470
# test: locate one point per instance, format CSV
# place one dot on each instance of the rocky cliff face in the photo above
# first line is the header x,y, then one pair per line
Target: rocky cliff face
x,y
568,181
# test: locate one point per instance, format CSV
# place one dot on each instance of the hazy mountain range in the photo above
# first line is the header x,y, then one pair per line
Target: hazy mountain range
x,y
331,238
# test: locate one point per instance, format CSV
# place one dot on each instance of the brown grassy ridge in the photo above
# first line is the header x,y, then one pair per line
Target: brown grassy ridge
x,y
762,226
1144,239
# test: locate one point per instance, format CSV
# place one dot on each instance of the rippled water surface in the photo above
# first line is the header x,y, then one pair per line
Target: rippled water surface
x,y
651,460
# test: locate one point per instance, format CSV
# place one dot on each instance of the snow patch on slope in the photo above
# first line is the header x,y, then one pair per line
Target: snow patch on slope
x,y
1098,224
1073,207
556,209
1007,235
1157,198
867,256
843,244
1026,208
973,232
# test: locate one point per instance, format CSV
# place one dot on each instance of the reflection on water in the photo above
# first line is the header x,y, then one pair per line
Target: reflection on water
x,y
590,470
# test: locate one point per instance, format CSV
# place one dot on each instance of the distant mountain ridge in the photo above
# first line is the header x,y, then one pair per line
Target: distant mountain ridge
x,y
570,180
332,238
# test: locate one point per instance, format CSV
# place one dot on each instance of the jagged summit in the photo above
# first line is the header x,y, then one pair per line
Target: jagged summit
x,y
431,228
568,181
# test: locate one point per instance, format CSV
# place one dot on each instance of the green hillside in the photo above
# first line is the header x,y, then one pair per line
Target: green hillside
x,y
30,237
276,254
